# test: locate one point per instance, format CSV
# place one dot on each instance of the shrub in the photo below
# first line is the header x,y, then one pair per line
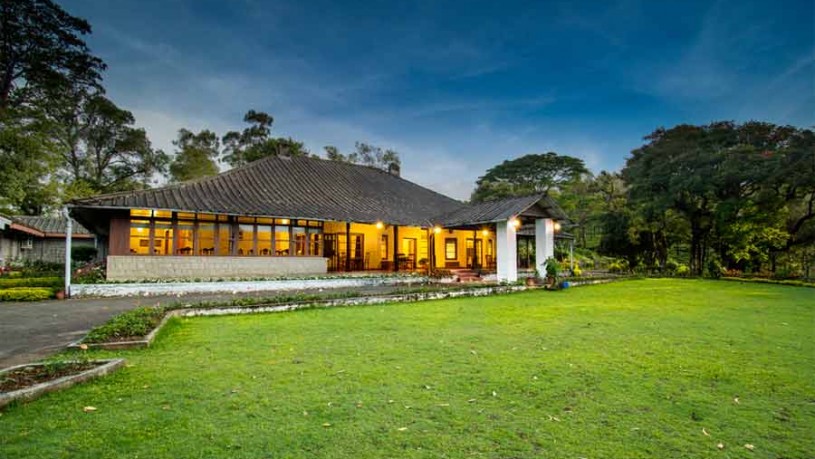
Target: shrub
x,y
52,282
83,253
671,266
26,294
577,272
440,273
90,273
714,268
552,268
135,323
37,268
682,270
618,266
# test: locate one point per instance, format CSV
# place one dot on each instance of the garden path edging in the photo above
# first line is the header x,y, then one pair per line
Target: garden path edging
x,y
117,345
38,390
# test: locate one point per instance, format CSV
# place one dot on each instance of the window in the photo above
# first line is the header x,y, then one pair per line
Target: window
x,y
300,241
315,242
224,239
163,239
246,239
383,247
281,240
264,240
140,237
185,240
206,239
451,249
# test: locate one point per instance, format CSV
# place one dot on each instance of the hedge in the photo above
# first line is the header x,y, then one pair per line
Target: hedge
x,y
26,294
761,280
51,282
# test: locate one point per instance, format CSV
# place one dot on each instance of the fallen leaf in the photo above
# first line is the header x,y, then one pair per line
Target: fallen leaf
x,y
720,445
305,413
736,401
166,407
472,351
88,409
326,424
443,404
427,387
471,400
84,347
705,432
390,401
494,394
749,446
402,429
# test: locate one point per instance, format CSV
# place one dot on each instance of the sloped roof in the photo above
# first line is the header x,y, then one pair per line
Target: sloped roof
x,y
298,187
50,225
500,210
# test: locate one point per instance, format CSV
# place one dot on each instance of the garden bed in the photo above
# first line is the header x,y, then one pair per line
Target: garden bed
x,y
30,381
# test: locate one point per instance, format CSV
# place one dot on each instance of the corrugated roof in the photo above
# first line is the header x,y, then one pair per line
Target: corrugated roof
x,y
294,187
499,210
50,225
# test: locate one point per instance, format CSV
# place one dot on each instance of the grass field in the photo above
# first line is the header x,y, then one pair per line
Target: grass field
x,y
633,369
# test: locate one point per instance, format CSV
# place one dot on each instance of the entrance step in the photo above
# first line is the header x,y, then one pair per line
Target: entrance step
x,y
465,275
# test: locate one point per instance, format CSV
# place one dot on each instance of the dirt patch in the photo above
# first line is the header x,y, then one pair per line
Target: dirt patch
x,y
29,376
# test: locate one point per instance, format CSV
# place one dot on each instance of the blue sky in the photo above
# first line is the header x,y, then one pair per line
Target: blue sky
x,y
457,87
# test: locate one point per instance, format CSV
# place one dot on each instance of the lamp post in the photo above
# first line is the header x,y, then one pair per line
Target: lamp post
x,y
69,230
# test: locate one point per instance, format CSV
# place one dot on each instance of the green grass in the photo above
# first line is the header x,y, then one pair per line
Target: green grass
x,y
624,370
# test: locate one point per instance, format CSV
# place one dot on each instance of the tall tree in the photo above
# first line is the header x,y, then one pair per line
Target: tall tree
x,y
367,155
528,174
196,155
42,51
255,142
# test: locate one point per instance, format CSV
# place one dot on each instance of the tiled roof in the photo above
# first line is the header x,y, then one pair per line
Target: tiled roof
x,y
49,225
500,209
294,187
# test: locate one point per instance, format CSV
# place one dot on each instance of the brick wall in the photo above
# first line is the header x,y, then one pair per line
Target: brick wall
x,y
125,267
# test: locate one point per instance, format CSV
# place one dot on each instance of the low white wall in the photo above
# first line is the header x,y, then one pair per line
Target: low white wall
x,y
135,268
185,288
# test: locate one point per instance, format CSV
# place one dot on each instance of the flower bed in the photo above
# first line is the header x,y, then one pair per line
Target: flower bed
x,y
26,294
29,381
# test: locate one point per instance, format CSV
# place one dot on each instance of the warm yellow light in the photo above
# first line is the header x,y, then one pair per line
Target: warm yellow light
x,y
515,222
379,225
484,232
557,226
285,221
437,229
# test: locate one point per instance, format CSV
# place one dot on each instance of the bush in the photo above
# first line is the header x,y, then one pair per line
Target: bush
x,y
577,272
26,294
618,266
90,273
83,253
671,266
714,268
682,270
440,273
51,282
36,268
552,268
131,324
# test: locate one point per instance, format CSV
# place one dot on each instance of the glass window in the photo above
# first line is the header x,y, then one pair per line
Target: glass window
x,y
162,214
246,219
184,234
163,239
315,242
451,249
264,240
206,217
224,239
246,239
300,246
384,247
141,213
282,221
223,218
206,239
185,216
140,237
265,221
281,240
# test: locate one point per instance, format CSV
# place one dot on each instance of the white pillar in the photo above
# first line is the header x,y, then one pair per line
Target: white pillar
x,y
506,252
68,235
544,243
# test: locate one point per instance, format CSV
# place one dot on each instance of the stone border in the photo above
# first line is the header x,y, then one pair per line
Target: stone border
x,y
38,390
184,288
355,301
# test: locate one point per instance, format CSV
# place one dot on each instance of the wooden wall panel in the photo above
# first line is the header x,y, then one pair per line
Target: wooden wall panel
x,y
119,239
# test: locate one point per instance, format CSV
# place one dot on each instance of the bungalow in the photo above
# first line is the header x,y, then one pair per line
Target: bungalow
x,y
296,216
37,238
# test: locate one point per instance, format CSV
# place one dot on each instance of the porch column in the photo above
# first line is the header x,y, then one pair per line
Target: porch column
x,y
395,248
506,251
347,246
544,242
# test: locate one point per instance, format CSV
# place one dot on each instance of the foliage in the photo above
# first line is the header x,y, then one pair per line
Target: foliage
x,y
592,353
131,324
42,53
367,155
618,266
439,273
552,268
682,270
255,142
83,254
90,273
39,268
577,272
50,282
26,160
26,294
528,174
196,155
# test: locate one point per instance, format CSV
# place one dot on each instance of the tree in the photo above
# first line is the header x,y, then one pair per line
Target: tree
x,y
528,174
42,52
255,142
25,165
196,155
367,155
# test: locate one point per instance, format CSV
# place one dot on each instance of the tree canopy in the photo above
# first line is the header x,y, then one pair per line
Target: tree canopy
x,y
367,155
255,141
528,174
196,155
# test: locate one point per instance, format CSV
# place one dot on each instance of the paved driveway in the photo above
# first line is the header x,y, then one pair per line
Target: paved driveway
x,y
30,331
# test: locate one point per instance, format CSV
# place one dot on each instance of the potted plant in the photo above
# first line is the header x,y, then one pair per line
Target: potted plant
x,y
60,294
552,272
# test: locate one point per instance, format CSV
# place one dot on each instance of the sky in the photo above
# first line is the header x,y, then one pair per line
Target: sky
x,y
456,87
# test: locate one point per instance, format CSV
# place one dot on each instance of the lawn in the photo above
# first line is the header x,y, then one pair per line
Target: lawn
x,y
648,368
